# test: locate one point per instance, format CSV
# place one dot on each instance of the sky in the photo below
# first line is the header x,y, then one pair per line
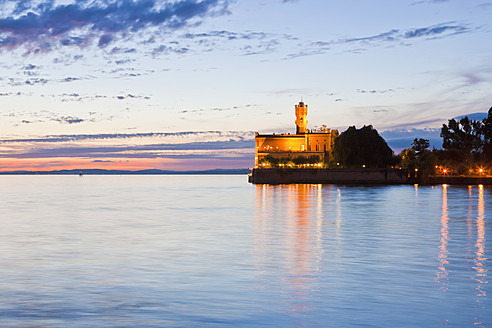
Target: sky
x,y
184,84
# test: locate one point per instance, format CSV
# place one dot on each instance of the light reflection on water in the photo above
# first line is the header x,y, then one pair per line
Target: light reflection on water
x,y
442,274
481,275
214,251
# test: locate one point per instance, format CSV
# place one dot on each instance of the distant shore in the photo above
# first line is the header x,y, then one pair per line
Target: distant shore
x,y
124,172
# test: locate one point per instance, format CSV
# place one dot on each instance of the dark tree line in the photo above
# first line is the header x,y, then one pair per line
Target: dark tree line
x,y
467,148
467,143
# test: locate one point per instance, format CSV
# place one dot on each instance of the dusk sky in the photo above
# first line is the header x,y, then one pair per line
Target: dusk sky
x,y
184,84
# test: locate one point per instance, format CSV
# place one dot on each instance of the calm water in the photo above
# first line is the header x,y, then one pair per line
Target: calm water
x,y
215,251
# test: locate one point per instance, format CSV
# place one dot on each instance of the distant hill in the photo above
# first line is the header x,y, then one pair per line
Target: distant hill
x,y
125,172
473,116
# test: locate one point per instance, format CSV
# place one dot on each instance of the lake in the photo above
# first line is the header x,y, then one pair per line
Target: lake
x,y
215,251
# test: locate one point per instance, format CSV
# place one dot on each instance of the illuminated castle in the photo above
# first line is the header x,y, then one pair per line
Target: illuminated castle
x,y
305,143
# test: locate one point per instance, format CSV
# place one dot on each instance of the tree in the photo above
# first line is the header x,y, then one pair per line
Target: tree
x,y
420,145
362,147
419,159
487,136
408,158
463,135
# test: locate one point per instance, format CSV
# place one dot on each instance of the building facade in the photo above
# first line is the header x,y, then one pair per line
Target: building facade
x,y
305,143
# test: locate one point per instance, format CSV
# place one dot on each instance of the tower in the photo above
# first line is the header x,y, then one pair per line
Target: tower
x,y
301,118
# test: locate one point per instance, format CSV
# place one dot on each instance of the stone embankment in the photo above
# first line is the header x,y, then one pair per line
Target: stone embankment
x,y
342,176
355,176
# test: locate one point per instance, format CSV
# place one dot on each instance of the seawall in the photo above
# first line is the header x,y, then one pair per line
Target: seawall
x,y
342,176
356,176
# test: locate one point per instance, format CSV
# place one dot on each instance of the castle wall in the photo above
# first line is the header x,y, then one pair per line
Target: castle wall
x,y
273,143
318,141
351,176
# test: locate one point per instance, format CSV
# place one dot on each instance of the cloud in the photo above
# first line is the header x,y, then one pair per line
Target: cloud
x,y
131,96
31,81
227,145
68,119
70,79
249,42
473,78
44,116
30,67
374,91
386,36
486,5
428,1
124,136
118,50
436,30
396,35
215,109
389,37
229,35
163,49
45,26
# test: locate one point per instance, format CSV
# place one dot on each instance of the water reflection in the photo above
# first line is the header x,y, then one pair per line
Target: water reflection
x,y
442,274
469,217
296,232
477,246
481,271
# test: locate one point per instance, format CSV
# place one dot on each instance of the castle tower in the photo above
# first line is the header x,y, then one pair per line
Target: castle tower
x,y
301,118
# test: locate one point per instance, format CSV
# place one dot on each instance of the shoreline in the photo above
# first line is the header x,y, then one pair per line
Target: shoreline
x,y
385,176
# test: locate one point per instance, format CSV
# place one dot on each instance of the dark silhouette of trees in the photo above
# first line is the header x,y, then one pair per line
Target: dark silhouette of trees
x,y
418,156
463,137
420,145
467,144
467,149
419,160
487,137
356,148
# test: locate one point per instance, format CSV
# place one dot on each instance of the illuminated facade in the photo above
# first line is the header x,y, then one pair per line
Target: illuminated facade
x,y
304,143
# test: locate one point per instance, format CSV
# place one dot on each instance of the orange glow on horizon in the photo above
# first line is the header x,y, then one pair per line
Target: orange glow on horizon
x,y
131,164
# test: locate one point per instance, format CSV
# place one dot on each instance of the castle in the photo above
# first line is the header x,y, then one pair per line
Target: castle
x,y
287,147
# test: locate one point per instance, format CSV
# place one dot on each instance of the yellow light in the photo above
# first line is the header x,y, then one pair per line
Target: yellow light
x,y
416,170
444,171
481,170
